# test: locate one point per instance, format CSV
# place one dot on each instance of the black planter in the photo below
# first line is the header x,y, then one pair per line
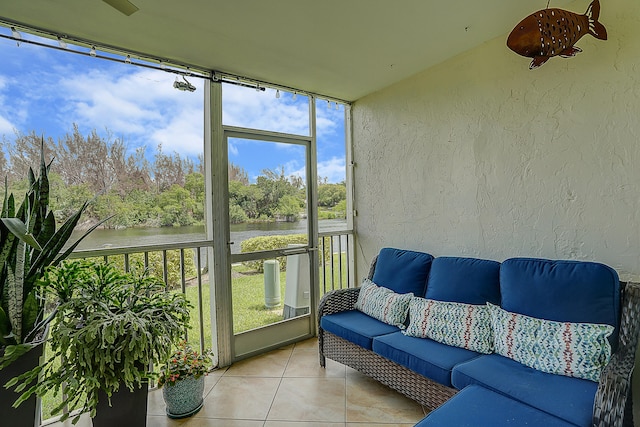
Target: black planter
x,y
128,408
28,413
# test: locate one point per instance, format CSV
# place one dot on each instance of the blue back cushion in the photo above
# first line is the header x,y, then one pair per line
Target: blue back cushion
x,y
402,271
465,280
564,291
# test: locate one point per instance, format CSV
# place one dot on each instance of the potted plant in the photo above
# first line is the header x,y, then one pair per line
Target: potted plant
x,y
109,327
182,376
29,243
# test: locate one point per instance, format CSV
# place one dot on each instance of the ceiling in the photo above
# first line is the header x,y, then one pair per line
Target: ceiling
x,y
344,49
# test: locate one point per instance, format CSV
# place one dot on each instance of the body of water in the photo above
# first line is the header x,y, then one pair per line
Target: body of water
x,y
108,238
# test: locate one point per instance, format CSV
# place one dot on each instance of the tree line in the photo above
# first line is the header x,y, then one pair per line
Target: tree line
x,y
166,190
138,190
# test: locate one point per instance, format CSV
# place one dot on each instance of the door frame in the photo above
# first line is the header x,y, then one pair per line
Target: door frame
x,y
236,347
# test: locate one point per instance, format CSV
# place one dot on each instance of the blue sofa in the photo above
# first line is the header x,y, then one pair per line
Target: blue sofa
x,y
543,315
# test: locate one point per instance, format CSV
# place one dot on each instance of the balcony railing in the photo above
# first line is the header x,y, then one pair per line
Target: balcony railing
x,y
183,267
336,271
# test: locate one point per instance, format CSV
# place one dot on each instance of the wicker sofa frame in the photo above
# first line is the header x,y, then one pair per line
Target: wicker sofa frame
x,y
612,404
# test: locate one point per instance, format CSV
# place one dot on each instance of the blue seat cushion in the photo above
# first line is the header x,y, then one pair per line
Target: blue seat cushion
x,y
570,399
465,280
402,271
356,327
564,291
429,358
478,407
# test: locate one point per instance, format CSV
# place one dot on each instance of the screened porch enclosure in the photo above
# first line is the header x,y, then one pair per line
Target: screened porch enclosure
x,y
454,147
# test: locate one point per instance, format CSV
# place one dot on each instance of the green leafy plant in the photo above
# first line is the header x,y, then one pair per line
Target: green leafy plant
x,y
29,243
183,363
110,325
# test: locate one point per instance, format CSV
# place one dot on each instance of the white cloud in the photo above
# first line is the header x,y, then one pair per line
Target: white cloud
x,y
47,92
6,111
246,107
333,169
143,105
5,126
183,133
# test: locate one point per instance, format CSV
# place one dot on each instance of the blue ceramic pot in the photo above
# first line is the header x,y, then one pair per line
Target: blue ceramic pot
x,y
184,398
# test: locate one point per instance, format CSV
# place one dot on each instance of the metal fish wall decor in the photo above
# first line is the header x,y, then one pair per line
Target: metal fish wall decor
x,y
552,32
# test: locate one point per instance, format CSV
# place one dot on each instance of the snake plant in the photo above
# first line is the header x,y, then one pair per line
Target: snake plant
x,y
29,243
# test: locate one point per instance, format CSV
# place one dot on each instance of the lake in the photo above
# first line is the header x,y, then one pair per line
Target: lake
x,y
107,238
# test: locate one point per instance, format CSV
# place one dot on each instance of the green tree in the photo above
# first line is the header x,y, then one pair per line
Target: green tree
x,y
289,206
247,197
331,194
341,209
237,215
194,184
177,206
274,186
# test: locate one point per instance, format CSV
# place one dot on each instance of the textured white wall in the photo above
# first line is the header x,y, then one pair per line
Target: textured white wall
x,y
481,157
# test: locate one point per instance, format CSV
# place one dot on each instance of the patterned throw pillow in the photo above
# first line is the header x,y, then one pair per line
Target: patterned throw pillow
x,y
460,325
578,350
383,304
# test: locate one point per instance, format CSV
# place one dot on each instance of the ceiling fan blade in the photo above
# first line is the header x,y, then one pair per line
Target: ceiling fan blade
x,y
124,6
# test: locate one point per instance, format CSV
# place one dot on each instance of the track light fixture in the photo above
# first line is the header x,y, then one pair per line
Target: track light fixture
x,y
16,35
184,86
93,49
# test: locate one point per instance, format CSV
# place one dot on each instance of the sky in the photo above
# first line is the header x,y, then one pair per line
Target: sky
x,y
47,91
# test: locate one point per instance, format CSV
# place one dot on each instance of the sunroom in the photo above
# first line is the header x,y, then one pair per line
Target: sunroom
x,y
451,145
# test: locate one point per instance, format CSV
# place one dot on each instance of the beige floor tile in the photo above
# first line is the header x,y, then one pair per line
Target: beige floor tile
x,y
287,388
163,421
271,364
301,424
309,399
217,422
369,401
242,398
304,362
311,343
155,403
379,424
152,421
212,379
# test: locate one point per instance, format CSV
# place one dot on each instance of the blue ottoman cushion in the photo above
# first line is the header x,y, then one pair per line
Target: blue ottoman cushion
x,y
402,271
478,407
356,327
570,399
429,358
464,280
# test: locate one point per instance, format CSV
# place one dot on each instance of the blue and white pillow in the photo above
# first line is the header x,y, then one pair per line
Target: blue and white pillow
x,y
456,324
578,350
383,304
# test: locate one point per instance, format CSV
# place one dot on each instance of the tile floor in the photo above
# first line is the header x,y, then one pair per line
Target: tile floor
x,y
287,388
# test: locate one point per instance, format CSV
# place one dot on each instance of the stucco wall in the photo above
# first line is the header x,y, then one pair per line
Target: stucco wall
x,y
481,157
